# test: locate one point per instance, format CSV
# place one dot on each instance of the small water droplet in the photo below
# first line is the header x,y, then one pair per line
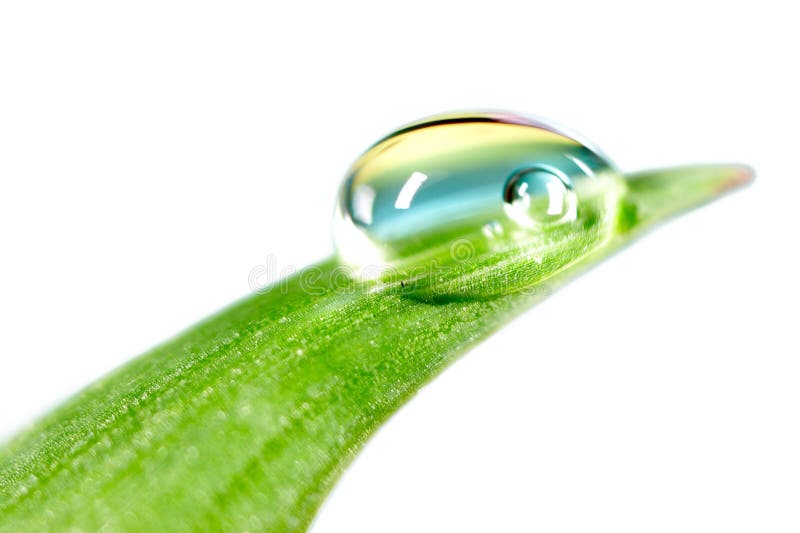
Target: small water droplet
x,y
536,195
492,230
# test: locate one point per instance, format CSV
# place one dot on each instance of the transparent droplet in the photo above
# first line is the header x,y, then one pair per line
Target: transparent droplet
x,y
536,195
500,182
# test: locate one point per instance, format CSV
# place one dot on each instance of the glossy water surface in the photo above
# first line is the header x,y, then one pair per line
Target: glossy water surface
x,y
468,185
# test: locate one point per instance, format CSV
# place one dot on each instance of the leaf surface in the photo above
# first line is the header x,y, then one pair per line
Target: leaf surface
x,y
245,421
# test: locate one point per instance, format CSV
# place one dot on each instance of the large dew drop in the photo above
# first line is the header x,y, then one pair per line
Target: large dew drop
x,y
473,188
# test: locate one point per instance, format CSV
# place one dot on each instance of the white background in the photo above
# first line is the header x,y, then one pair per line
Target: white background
x,y
153,153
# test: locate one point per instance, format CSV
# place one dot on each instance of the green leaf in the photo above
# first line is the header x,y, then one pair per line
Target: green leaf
x,y
246,420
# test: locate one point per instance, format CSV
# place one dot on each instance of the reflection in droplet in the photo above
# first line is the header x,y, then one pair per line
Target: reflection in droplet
x,y
363,197
409,189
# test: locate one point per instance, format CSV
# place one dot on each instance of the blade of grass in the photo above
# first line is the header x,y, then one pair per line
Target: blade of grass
x,y
245,421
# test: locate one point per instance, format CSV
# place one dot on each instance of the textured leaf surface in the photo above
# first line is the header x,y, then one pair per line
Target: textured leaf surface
x,y
245,421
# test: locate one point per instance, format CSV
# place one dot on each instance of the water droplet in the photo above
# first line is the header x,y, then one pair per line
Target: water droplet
x,y
492,229
459,188
536,195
